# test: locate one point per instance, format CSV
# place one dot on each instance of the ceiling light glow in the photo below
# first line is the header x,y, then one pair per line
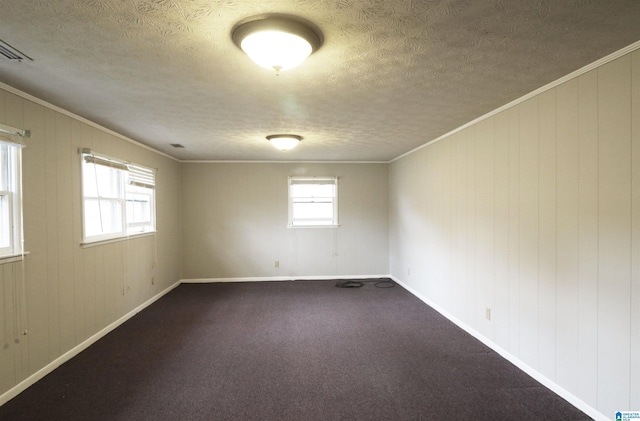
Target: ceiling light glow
x,y
284,142
277,42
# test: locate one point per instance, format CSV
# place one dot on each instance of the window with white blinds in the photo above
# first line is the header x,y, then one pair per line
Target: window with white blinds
x,y
313,201
10,198
118,198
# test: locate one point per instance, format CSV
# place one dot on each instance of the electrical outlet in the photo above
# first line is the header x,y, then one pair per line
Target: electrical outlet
x,y
408,271
277,263
488,313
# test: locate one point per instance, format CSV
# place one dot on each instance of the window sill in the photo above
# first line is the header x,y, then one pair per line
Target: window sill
x,y
11,258
116,240
313,226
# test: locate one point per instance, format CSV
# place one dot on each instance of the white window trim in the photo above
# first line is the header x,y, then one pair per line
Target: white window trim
x,y
9,250
313,180
99,159
117,240
16,246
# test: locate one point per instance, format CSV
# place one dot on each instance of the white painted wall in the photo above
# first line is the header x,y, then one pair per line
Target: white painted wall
x,y
535,214
235,222
62,293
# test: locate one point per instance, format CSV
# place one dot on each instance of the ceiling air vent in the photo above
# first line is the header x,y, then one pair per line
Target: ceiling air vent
x,y
8,52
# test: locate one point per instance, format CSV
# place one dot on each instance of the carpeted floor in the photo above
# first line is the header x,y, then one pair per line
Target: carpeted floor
x,y
302,350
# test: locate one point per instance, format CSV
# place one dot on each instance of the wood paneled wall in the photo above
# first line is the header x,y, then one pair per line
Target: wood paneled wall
x,y
534,213
61,293
234,220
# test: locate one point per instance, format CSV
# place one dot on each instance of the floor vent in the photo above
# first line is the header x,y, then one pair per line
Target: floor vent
x,y
11,53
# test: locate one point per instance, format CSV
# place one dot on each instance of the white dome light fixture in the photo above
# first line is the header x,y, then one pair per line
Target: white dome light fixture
x,y
284,142
277,42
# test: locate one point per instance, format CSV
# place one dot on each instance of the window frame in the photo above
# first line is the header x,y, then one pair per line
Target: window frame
x,y
312,180
123,186
11,188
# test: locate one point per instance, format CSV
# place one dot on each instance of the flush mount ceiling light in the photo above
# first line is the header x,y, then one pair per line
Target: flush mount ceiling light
x,y
277,42
284,142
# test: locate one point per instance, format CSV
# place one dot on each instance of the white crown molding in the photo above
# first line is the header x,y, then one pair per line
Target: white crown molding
x,y
589,67
50,106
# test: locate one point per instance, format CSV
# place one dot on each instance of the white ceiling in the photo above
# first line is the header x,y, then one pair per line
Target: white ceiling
x,y
391,75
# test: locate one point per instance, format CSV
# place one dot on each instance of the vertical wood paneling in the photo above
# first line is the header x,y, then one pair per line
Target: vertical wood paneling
x,y
514,231
563,175
33,159
64,236
529,231
427,199
444,226
568,231
61,294
588,249
431,208
460,196
614,239
547,233
446,215
114,288
500,311
21,339
99,270
84,314
11,350
634,372
484,214
7,332
472,279
50,236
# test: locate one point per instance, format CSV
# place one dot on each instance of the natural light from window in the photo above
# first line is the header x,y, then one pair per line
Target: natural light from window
x,y
313,201
10,199
118,198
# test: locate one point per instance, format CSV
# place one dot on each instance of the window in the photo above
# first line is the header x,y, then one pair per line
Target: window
x,y
313,201
118,198
10,199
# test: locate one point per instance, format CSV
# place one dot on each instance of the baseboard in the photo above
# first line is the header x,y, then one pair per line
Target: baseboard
x,y
279,278
32,379
560,391
545,381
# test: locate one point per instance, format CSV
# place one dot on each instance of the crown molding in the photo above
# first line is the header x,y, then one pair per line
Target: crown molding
x,y
88,122
589,67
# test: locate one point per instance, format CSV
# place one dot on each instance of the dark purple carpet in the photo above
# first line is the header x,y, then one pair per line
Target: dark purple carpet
x,y
302,350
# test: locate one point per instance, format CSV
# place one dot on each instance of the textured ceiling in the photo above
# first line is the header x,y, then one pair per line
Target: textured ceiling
x,y
390,76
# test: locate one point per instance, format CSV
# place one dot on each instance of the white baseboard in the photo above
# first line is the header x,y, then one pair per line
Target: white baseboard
x,y
32,379
545,381
279,278
560,391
